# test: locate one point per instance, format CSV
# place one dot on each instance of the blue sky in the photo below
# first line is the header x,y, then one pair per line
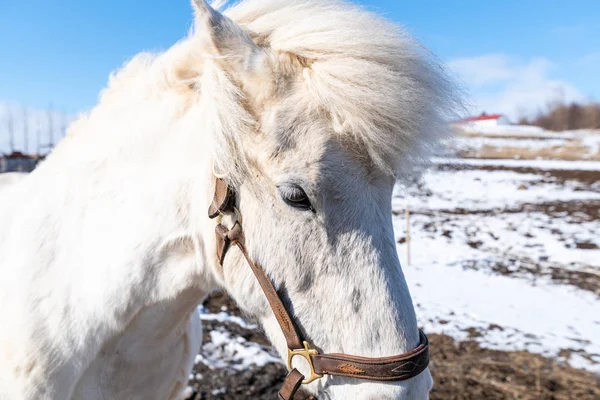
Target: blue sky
x,y
511,55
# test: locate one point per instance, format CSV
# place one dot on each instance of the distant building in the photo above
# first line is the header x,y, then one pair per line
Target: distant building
x,y
17,162
485,120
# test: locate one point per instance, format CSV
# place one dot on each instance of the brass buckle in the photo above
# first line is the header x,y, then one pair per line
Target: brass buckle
x,y
306,352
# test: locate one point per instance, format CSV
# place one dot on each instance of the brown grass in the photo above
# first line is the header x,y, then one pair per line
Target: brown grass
x,y
572,151
466,371
505,136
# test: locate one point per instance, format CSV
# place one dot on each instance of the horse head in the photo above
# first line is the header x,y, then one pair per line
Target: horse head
x,y
319,106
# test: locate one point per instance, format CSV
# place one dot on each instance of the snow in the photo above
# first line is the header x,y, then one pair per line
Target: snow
x,y
461,216
221,390
187,393
226,350
591,140
541,319
508,130
224,317
489,239
537,164
479,142
485,190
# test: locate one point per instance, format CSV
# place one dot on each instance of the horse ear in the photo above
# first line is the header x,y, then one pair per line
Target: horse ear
x,y
232,46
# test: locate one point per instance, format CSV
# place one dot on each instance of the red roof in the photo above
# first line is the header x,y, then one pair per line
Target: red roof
x,y
482,118
17,155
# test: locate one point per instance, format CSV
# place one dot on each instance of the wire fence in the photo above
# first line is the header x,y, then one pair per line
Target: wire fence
x,y
27,135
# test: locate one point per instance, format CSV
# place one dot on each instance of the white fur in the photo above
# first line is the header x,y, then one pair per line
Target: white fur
x,y
106,248
8,179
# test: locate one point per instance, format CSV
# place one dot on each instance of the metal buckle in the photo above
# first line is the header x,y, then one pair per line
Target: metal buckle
x,y
306,352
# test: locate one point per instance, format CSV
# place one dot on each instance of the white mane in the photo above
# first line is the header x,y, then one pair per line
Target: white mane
x,y
376,82
378,86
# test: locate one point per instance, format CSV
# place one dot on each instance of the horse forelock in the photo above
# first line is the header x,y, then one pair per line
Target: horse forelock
x,y
387,98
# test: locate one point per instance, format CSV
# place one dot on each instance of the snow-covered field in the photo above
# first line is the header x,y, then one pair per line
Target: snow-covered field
x,y
514,277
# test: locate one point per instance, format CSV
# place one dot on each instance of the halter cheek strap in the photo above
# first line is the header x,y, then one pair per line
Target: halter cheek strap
x,y
395,368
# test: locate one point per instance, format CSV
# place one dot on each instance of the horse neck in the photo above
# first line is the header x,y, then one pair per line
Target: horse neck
x,y
126,196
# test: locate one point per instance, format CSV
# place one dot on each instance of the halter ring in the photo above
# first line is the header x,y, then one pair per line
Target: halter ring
x,y
215,174
307,352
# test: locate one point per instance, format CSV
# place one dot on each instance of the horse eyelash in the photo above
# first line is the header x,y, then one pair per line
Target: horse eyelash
x,y
289,192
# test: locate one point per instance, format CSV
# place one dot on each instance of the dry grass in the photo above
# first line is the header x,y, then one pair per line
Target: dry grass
x,y
572,151
500,135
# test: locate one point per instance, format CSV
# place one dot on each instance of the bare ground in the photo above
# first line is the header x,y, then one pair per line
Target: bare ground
x,y
460,370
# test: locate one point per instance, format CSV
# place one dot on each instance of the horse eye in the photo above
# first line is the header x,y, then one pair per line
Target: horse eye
x,y
294,196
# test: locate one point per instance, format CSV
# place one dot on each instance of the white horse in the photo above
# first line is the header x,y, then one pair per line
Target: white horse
x,y
9,179
311,108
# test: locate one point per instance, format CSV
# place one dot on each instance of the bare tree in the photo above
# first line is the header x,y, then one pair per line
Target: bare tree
x,y
593,116
65,121
11,129
25,131
575,116
560,117
38,133
50,128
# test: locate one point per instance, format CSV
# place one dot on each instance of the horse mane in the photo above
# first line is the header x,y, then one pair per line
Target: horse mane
x,y
383,92
379,85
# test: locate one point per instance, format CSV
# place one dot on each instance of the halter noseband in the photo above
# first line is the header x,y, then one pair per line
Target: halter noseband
x,y
395,368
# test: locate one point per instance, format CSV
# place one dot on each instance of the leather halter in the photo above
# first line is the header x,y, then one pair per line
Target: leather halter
x,y
395,368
